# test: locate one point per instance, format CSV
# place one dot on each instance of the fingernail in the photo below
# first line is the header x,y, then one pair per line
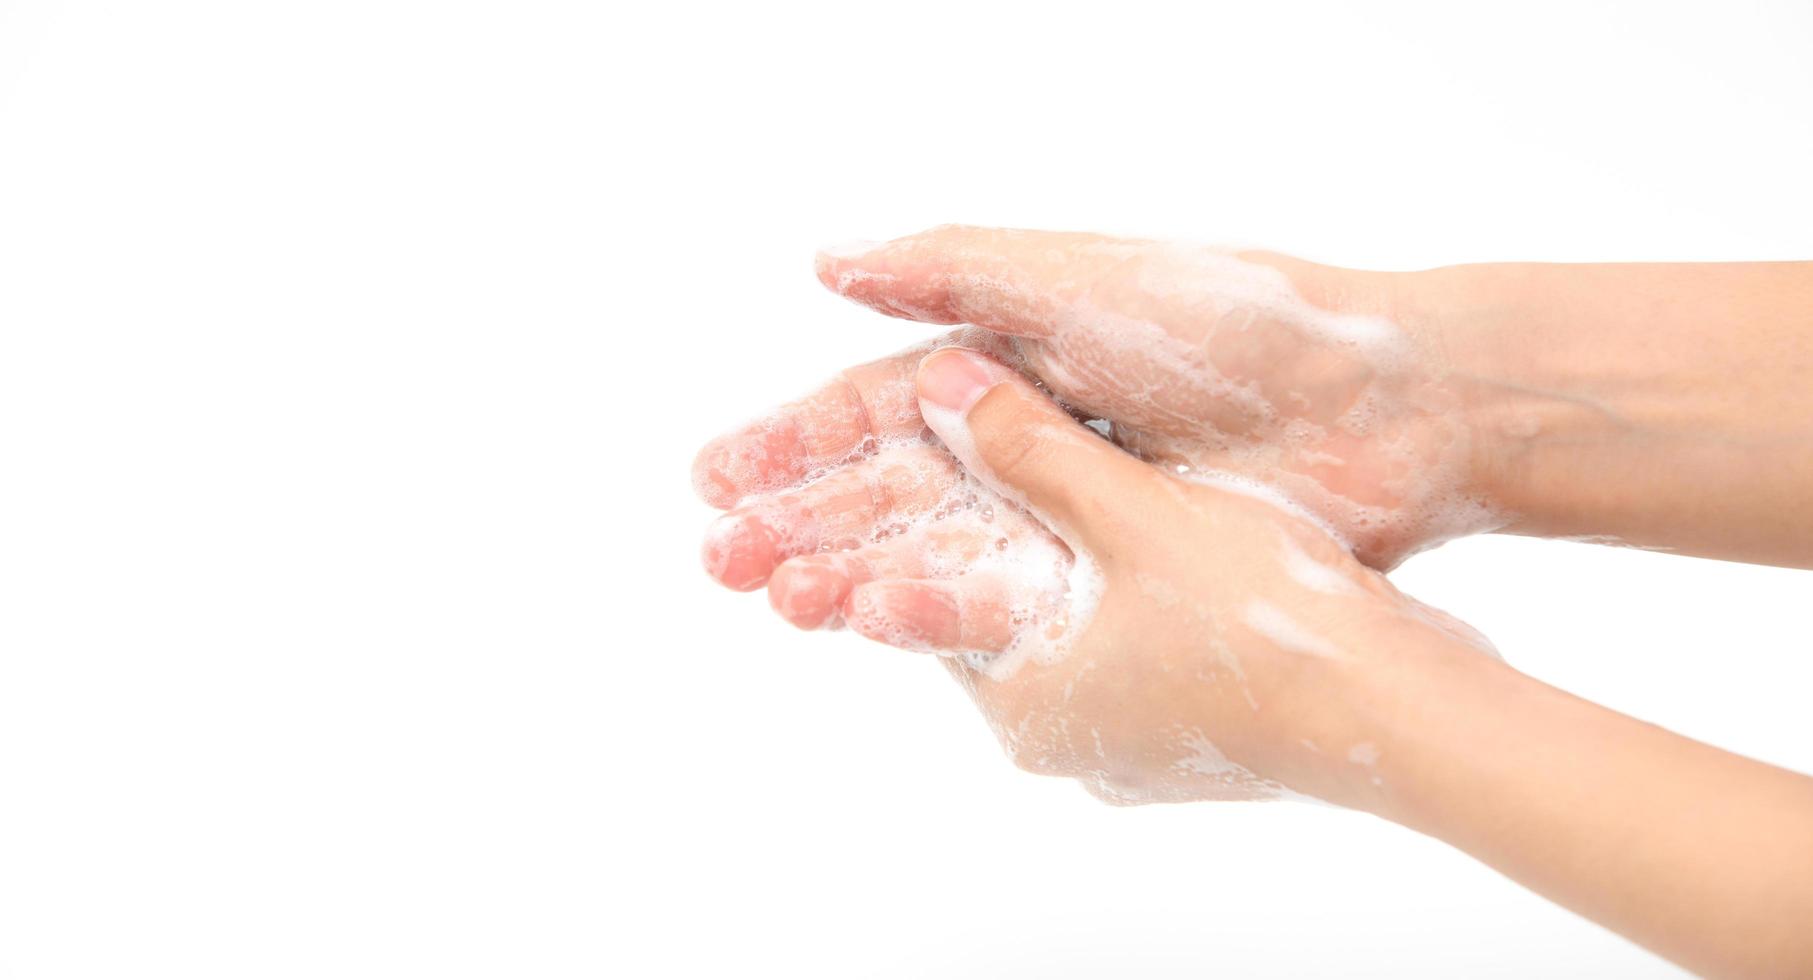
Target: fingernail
x,y
955,378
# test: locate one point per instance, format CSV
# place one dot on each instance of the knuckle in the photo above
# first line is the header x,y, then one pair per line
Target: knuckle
x,y
1013,460
1018,450
858,397
878,487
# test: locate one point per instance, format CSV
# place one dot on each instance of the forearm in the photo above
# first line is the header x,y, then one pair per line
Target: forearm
x,y
1664,406
1701,855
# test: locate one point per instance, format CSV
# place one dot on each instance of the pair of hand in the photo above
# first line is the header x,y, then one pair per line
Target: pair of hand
x,y
1190,608
1145,505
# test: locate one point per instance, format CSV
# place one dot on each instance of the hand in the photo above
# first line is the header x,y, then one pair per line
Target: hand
x,y
1211,643
1282,371
1204,361
1162,645
847,485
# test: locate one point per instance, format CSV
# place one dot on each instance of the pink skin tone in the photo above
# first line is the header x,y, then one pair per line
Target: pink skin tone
x,y
1390,490
1550,400
1286,664
832,434
880,468
1535,399
1287,373
1190,680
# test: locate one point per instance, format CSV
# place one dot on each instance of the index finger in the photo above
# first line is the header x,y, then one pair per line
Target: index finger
x,y
1007,280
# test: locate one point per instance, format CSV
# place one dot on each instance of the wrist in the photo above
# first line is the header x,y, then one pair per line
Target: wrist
x,y
1516,387
1412,710
1447,432
1359,724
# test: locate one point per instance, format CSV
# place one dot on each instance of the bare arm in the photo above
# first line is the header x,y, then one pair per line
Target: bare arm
x,y
1703,856
1284,664
1667,406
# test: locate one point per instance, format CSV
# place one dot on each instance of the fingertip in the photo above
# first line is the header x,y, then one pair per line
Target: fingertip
x,y
710,479
896,278
761,457
839,267
824,266
853,249
810,591
739,551
849,251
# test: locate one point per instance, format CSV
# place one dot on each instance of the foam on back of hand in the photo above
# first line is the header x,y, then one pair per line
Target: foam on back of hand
x,y
1208,360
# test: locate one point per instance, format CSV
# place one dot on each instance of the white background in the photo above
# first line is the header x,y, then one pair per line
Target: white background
x,y
352,355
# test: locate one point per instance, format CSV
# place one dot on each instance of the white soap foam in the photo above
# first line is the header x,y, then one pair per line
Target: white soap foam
x,y
1451,625
1312,574
1046,592
1277,626
1185,353
1204,759
1040,638
1025,565
1248,487
1174,403
1226,779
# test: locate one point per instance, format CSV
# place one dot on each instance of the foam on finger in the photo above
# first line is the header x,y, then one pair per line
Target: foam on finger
x,y
1205,357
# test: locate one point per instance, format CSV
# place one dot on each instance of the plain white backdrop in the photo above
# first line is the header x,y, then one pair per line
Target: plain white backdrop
x,y
352,355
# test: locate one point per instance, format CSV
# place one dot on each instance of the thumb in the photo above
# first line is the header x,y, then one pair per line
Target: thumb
x,y
1014,438
999,279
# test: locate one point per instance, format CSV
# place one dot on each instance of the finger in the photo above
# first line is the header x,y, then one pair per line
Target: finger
x,y
809,591
971,614
1000,279
851,506
865,405
1015,439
